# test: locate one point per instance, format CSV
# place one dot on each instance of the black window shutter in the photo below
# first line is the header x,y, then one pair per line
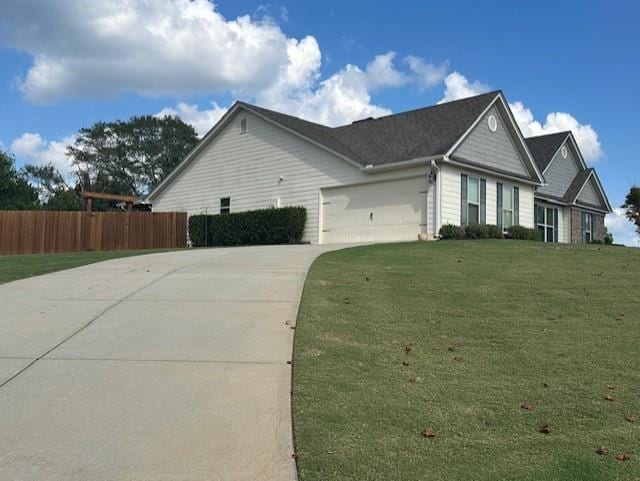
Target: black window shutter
x,y
555,225
499,206
463,199
516,206
483,201
584,236
535,216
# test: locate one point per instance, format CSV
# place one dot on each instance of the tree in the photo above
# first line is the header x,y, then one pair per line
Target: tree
x,y
55,193
15,191
632,206
132,157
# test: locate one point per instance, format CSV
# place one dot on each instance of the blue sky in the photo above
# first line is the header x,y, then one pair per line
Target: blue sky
x,y
66,64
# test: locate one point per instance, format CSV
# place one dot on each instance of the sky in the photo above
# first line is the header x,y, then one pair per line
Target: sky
x,y
563,65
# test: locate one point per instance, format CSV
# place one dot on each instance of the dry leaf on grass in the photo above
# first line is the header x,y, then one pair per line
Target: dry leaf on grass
x,y
412,380
428,433
602,450
546,429
405,363
623,457
407,348
458,358
609,397
609,386
526,406
632,418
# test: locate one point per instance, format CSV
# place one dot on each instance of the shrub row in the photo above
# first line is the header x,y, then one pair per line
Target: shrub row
x,y
254,227
487,231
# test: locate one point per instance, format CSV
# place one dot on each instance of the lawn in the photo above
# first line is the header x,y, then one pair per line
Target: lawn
x,y
504,337
20,266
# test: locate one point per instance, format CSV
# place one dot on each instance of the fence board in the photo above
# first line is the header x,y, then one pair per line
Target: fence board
x,y
28,232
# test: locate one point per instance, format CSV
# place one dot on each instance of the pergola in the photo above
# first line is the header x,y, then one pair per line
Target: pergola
x,y
87,199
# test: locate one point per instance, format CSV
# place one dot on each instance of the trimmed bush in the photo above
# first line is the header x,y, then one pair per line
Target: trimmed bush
x,y
522,233
494,232
452,232
254,227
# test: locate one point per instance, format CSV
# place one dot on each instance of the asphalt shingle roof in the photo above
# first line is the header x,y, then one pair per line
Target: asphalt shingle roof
x,y
394,138
572,192
543,147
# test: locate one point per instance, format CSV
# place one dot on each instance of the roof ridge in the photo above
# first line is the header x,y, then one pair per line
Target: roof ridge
x,y
564,132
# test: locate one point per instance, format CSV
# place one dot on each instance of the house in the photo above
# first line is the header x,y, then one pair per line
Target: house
x,y
389,178
572,204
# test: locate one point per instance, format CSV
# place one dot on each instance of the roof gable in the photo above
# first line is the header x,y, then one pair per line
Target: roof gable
x,y
588,195
561,170
544,147
494,149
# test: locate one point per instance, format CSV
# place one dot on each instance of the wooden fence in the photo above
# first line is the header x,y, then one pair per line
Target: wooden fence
x,y
39,232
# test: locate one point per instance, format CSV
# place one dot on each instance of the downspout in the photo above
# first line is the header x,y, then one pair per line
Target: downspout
x,y
436,198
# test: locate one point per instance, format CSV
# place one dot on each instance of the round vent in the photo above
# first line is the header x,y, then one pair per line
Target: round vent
x,y
563,151
493,123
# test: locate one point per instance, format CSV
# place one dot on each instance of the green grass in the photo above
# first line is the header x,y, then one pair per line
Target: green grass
x,y
17,267
492,324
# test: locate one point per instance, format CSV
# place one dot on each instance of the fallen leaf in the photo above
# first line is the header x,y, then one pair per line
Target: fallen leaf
x,y
412,380
458,358
405,363
287,323
609,397
632,418
526,406
428,433
623,457
407,348
610,386
546,429
602,450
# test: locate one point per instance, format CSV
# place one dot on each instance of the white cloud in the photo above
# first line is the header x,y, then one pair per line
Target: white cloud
x,y
622,229
426,75
585,135
457,86
340,99
201,120
32,148
151,47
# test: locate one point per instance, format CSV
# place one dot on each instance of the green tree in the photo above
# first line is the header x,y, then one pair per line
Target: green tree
x,y
131,157
632,206
55,193
15,191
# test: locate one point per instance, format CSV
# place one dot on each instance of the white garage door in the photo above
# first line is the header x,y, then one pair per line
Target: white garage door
x,y
384,211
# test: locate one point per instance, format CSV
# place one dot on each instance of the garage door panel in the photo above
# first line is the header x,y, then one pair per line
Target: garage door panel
x,y
382,211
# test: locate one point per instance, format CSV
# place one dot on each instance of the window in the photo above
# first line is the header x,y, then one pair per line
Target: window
x,y
507,207
493,123
546,223
225,205
243,126
473,200
507,213
587,227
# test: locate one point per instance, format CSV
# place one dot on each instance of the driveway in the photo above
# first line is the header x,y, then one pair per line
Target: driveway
x,y
163,367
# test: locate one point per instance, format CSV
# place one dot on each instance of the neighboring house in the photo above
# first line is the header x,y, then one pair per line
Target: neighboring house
x,y
572,205
385,179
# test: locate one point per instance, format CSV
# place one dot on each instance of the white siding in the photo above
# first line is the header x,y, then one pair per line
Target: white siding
x,y
450,196
247,168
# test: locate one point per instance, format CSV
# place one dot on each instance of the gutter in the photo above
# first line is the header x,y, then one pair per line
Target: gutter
x,y
401,165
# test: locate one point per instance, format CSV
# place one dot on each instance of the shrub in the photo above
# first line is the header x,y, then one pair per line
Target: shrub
x,y
522,233
494,232
254,227
450,231
608,238
475,231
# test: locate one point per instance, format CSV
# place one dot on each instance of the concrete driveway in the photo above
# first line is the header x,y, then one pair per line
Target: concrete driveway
x,y
163,367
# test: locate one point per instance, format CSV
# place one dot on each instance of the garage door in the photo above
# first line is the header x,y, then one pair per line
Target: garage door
x,y
384,211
